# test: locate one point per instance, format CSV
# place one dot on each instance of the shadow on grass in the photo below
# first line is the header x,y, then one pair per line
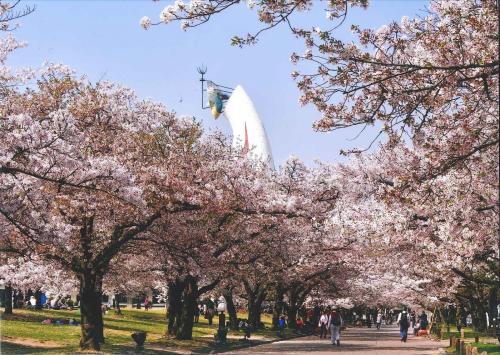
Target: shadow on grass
x,y
123,349
13,348
38,316
127,327
205,345
152,317
8,348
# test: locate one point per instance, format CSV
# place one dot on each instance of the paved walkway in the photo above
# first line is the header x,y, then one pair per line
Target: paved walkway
x,y
353,341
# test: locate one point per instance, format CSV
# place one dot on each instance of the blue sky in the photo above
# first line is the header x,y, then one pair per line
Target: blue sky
x,y
103,40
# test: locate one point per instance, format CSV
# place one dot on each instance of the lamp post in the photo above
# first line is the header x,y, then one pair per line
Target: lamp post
x,y
221,335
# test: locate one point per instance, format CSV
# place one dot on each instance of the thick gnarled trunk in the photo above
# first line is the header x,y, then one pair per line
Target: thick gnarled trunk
x,y
231,309
256,295
189,297
116,305
493,302
296,297
174,306
254,312
17,297
183,294
8,299
278,305
92,327
292,310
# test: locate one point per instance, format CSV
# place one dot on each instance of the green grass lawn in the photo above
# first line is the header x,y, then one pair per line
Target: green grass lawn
x,y
491,349
23,333
469,333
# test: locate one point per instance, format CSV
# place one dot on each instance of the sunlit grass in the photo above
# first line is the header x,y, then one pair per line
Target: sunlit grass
x,y
23,332
470,333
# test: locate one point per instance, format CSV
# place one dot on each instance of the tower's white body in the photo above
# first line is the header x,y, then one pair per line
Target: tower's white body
x,y
248,131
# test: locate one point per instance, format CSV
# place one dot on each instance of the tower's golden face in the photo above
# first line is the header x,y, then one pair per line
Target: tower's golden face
x,y
215,113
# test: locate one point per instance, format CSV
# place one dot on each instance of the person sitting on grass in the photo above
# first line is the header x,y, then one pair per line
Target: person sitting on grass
x,y
62,303
54,303
70,304
31,304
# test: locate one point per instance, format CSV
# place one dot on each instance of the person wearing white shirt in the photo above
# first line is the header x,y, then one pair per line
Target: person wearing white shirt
x,y
379,319
323,325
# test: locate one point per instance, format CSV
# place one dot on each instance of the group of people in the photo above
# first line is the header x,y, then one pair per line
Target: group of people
x,y
40,300
369,318
59,302
406,321
330,320
207,309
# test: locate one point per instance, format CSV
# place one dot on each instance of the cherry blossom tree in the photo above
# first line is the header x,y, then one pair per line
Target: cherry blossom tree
x,y
95,181
83,173
431,85
435,235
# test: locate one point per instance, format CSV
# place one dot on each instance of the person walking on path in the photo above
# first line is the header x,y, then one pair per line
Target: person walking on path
x,y
404,324
335,325
323,325
379,319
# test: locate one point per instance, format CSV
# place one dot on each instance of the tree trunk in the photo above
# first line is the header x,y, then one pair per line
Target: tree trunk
x,y
442,318
254,308
231,309
16,296
38,298
100,317
118,309
292,308
292,316
492,303
256,296
189,297
278,305
90,311
174,306
182,302
477,309
297,296
8,299
253,312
